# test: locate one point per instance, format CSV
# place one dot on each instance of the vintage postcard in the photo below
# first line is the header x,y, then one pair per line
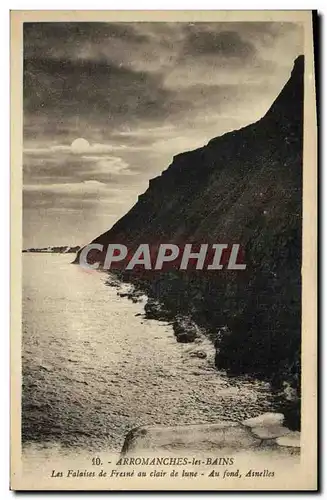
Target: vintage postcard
x,y
164,177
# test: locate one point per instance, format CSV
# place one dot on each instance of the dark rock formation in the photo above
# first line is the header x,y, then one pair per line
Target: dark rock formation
x,y
198,354
185,330
243,187
156,310
223,435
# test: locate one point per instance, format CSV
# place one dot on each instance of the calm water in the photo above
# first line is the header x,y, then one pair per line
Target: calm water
x,y
93,368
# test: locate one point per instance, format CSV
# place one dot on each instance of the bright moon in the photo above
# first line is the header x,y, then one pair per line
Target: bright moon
x,y
79,145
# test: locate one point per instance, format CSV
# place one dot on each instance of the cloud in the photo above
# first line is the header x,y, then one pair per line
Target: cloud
x,y
223,43
77,40
86,187
65,167
86,79
47,150
108,165
91,90
91,150
92,207
147,132
88,195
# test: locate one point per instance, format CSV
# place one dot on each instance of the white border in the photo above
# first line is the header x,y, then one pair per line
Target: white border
x,y
5,179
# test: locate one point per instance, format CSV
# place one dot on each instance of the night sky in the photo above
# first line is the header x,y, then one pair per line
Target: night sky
x,y
138,93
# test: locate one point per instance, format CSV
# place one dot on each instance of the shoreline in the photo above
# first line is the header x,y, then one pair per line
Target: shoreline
x,y
186,330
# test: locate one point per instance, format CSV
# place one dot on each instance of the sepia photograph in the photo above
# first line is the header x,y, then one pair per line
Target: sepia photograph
x,y
163,251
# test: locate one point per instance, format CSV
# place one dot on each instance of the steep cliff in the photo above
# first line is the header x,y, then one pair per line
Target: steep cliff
x,y
243,187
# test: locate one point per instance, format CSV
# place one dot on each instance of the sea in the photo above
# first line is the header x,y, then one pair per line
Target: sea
x,y
94,368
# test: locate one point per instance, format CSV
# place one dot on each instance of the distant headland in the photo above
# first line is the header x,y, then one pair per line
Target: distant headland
x,y
63,249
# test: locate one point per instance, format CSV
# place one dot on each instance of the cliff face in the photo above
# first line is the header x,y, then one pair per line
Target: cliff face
x,y
220,191
243,187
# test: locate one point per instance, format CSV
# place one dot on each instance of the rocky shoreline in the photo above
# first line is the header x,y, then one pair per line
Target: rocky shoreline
x,y
187,331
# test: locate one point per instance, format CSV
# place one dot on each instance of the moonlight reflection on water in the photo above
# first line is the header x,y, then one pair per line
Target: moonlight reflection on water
x,y
93,368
